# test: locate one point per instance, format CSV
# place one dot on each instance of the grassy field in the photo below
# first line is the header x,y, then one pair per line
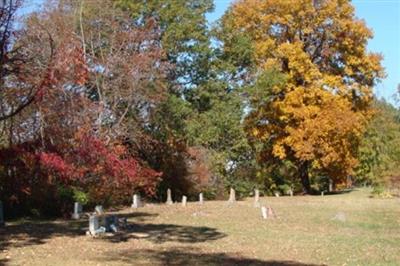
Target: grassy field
x,y
216,233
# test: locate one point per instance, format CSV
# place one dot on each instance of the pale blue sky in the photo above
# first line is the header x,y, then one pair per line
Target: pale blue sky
x,y
383,17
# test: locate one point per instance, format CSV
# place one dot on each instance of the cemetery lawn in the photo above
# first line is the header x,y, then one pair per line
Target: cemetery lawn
x,y
216,233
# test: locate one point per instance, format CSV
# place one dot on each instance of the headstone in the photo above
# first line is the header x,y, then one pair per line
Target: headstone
x,y
340,216
201,199
184,200
169,197
277,194
1,214
330,189
322,193
291,192
256,198
271,213
264,212
77,211
99,209
232,196
136,201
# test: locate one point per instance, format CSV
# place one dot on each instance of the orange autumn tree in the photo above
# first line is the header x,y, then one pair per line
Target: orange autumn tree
x,y
316,119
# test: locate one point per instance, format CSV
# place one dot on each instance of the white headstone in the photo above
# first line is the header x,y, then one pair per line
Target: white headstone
x,y
330,189
169,197
322,193
277,194
256,198
136,201
93,224
232,196
184,200
264,212
77,211
201,199
291,192
99,209
1,214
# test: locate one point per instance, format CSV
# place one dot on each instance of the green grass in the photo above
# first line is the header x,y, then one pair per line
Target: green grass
x,y
220,234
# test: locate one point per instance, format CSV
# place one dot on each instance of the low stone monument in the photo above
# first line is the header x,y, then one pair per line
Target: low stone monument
x,y
264,212
136,203
232,196
184,200
340,216
256,198
201,199
1,214
169,197
322,193
77,211
111,223
276,194
94,228
291,192
99,209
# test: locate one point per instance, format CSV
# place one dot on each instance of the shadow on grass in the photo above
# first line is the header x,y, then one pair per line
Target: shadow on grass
x,y
161,233
19,234
188,256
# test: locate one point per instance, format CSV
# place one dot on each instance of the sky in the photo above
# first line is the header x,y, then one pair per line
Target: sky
x,y
382,16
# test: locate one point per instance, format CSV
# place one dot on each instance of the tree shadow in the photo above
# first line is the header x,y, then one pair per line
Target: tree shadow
x,y
19,234
33,232
161,233
188,256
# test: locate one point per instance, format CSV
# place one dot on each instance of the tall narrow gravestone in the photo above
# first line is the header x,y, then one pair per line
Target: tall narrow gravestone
x,y
93,224
264,212
256,198
184,200
1,214
169,197
99,209
136,201
232,196
201,199
77,211
291,192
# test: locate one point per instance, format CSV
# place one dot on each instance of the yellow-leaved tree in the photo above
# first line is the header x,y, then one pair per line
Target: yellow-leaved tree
x,y
316,119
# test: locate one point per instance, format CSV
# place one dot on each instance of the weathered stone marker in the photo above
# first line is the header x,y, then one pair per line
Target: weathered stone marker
x,y
330,189
256,198
169,197
201,199
136,201
77,211
340,216
184,200
291,192
99,209
322,193
232,196
271,213
1,214
264,212
111,223
277,194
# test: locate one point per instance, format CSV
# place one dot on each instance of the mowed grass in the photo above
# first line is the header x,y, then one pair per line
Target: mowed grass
x,y
216,233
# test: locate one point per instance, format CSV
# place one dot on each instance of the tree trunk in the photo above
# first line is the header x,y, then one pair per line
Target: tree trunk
x,y
305,180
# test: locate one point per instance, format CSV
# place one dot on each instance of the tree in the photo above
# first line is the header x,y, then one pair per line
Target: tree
x,y
379,151
317,117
